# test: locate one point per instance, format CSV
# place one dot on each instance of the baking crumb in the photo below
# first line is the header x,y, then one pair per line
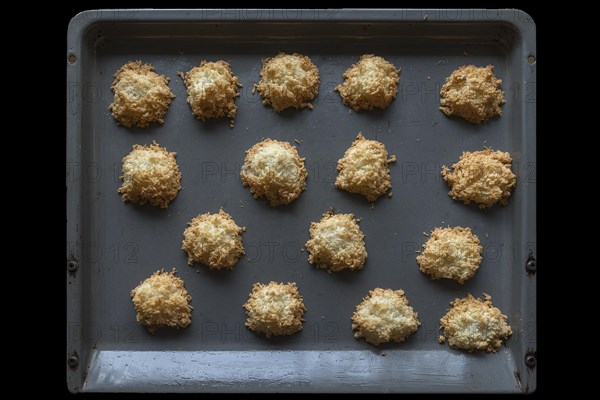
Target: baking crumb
x,y
241,204
418,140
440,62
372,206
425,17
181,74
485,141
441,339
486,235
349,112
383,354
322,317
428,78
465,53
389,195
418,251
297,141
425,233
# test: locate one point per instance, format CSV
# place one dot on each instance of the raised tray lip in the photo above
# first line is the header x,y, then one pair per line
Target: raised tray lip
x,y
519,20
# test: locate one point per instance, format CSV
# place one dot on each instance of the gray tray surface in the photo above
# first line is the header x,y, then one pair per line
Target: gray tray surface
x,y
116,245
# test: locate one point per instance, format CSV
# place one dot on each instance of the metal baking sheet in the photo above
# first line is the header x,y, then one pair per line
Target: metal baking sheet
x,y
112,246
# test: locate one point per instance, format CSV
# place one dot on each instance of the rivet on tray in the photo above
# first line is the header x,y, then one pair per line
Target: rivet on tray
x,y
72,59
530,361
72,266
73,360
531,59
531,265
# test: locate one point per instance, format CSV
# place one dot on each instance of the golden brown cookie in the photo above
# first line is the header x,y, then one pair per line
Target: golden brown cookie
x,y
274,309
451,253
384,316
472,93
483,177
150,175
336,242
141,95
212,88
274,170
371,82
364,169
214,240
474,324
161,300
288,80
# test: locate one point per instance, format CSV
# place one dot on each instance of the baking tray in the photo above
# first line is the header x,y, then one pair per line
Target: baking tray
x,y
112,246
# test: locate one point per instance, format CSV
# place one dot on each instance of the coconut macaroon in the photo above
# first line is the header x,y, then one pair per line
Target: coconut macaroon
x,y
214,240
451,253
212,88
141,95
274,170
288,80
472,93
384,316
274,309
162,301
364,169
474,324
150,175
370,83
336,242
483,177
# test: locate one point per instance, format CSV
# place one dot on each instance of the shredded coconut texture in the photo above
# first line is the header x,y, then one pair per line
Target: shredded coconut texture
x,y
212,88
162,301
214,240
370,83
274,170
472,93
274,309
483,177
288,80
384,316
451,253
141,95
150,175
364,169
336,243
474,324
